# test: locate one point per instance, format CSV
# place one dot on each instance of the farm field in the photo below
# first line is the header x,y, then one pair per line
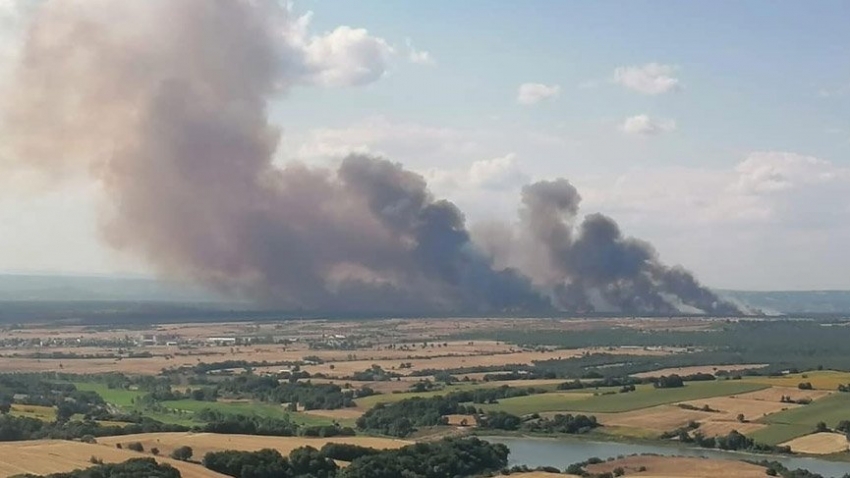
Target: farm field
x,y
34,411
679,467
645,396
821,379
823,443
56,456
203,443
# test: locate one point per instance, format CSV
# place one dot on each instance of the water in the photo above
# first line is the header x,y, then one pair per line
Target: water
x,y
564,452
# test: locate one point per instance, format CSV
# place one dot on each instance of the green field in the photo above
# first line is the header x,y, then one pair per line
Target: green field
x,y
116,396
779,433
371,401
829,410
189,407
644,397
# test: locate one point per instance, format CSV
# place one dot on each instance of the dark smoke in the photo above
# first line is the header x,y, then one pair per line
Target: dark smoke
x,y
592,266
164,102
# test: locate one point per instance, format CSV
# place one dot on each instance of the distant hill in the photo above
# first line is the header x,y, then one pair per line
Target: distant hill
x,y
794,302
33,288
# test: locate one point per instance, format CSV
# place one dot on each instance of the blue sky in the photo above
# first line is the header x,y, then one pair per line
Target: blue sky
x,y
724,139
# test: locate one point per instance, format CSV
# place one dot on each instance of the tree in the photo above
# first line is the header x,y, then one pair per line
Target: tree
x,y
821,427
5,407
183,453
136,446
155,451
741,418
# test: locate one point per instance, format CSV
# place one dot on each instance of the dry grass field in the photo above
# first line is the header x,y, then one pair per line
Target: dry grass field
x,y
55,456
203,443
821,380
660,419
712,428
712,369
679,467
338,414
729,407
774,394
819,443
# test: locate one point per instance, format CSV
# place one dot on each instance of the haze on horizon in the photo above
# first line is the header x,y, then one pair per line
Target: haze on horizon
x,y
715,133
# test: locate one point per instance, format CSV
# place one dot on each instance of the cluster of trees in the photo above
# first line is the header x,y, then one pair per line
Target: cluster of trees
x,y
268,463
239,424
134,468
443,459
36,389
269,389
402,418
26,428
562,423
671,381
732,441
374,374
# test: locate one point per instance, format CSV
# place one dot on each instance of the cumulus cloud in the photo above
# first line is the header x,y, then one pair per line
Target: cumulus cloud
x,y
420,57
533,93
643,125
345,56
648,79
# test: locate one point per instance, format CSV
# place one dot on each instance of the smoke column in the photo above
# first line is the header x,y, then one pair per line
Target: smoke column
x,y
165,102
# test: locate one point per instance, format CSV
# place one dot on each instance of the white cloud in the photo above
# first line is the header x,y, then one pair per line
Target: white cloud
x,y
345,56
643,125
420,57
533,93
649,79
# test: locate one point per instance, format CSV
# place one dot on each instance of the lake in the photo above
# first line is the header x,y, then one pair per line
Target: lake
x,y
564,452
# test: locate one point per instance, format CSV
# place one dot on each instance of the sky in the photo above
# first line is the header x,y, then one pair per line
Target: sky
x,y
718,131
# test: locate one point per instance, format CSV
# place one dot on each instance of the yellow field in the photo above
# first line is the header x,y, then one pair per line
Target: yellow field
x,y
660,419
338,414
678,467
542,474
819,443
730,407
713,428
457,420
55,456
203,443
774,394
34,411
822,380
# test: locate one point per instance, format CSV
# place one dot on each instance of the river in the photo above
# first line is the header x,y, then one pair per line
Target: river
x,y
564,452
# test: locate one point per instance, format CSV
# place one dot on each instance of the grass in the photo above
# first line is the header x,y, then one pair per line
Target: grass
x,y
830,410
245,408
371,401
779,433
116,396
821,380
644,397
796,422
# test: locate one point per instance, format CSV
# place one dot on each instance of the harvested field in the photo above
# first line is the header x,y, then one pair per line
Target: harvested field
x,y
711,428
819,443
679,467
823,380
56,456
729,407
774,394
660,419
712,369
338,414
203,443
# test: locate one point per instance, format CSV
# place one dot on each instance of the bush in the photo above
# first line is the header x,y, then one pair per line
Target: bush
x,y
136,446
155,451
184,453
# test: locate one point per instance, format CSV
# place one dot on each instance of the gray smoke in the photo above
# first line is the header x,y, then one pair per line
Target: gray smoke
x,y
164,103
589,265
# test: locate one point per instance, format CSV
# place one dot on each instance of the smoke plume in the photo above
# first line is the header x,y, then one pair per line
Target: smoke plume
x,y
165,103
